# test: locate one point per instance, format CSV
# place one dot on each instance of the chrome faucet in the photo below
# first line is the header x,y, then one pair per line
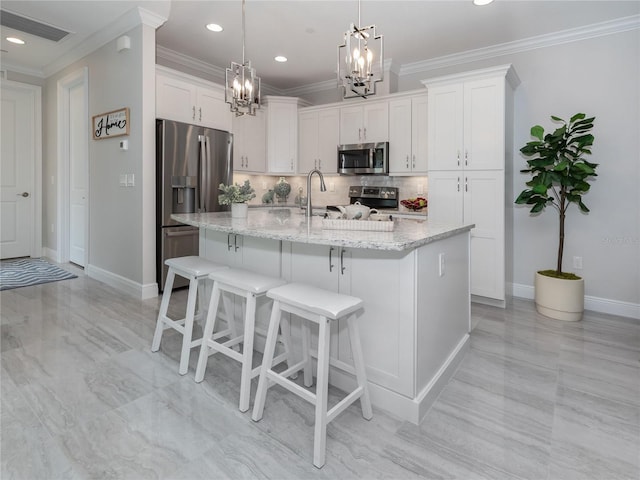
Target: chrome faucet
x,y
323,188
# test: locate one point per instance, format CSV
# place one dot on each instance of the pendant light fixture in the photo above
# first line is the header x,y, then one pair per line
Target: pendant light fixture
x,y
242,86
358,57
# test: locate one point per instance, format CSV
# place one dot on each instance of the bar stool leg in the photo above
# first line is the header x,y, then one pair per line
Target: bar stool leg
x,y
322,390
164,308
306,354
247,352
267,360
231,319
208,331
358,363
188,326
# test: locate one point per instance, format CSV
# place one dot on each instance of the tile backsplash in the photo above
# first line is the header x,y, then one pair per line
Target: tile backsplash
x,y
337,186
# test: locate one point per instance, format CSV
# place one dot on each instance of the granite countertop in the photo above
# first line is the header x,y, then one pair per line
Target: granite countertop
x,y
291,225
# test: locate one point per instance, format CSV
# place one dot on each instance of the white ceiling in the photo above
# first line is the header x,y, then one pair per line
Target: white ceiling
x,y
305,31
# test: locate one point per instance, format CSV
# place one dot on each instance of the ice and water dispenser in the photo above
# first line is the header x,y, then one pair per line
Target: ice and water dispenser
x,y
184,194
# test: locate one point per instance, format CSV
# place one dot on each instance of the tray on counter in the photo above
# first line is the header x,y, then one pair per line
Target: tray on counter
x,y
369,225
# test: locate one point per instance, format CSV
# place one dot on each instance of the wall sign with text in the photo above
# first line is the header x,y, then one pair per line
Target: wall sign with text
x,y
111,124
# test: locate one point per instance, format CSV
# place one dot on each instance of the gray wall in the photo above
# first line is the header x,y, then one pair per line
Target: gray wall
x,y
121,220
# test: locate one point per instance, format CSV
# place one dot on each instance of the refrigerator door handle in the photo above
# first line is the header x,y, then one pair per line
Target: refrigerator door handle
x,y
201,143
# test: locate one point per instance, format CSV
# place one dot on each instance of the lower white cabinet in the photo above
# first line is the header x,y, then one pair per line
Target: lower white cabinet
x,y
384,280
261,255
477,197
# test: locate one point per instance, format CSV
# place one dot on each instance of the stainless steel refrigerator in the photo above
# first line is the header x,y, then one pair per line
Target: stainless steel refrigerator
x,y
192,162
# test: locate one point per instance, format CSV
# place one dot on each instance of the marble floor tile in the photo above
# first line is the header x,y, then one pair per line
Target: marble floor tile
x,y
83,397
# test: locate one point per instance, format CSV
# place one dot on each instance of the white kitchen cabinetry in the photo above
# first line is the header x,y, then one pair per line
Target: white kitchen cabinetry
x,y
282,134
408,135
260,255
249,142
385,279
319,135
188,99
367,123
470,142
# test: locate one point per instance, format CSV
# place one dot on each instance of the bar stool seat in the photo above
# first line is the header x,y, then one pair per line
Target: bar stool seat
x,y
250,286
321,307
195,269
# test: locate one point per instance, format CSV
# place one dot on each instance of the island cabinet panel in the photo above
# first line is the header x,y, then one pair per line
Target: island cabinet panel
x,y
259,255
384,280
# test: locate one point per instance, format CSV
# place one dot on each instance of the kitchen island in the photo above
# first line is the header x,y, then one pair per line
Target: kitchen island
x,y
414,282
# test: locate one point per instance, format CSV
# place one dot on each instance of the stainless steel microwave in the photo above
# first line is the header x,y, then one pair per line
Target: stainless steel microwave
x,y
364,159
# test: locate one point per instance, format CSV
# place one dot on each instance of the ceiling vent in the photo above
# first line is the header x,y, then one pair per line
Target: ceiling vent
x,y
32,27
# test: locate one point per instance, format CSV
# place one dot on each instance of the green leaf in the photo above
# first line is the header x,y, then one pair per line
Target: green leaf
x,y
538,207
577,116
538,132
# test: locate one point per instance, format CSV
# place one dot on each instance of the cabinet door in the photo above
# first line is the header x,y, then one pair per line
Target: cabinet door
x,y
328,139
212,111
308,141
376,122
175,99
484,111
445,119
419,134
249,143
385,282
282,138
483,206
351,125
445,197
400,134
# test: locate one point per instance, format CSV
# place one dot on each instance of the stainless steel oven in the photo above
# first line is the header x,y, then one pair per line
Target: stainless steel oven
x,y
364,159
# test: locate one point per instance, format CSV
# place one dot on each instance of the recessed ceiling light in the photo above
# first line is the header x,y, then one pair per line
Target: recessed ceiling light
x,y
214,27
15,40
280,58
482,2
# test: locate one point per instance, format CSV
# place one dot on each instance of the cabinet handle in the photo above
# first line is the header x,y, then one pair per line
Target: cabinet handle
x,y
458,183
466,185
200,113
466,156
407,162
228,241
330,259
319,164
458,157
413,164
365,133
359,134
342,267
193,115
292,164
235,242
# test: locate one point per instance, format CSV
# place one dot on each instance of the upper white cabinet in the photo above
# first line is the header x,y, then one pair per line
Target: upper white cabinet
x,y
470,129
185,98
282,134
366,123
408,135
467,124
249,142
319,135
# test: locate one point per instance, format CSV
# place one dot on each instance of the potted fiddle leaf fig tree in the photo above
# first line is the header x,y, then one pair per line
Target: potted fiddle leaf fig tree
x,y
560,177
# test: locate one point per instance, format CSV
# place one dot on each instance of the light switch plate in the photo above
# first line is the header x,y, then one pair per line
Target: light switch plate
x,y
131,180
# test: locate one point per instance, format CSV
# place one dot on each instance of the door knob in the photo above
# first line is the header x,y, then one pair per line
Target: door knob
x,y
23,194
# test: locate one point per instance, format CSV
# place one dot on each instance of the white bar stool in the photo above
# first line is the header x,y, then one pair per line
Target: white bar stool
x,y
250,286
194,269
321,307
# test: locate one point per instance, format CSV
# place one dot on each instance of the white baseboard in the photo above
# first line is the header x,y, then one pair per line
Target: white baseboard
x,y
596,304
123,284
52,254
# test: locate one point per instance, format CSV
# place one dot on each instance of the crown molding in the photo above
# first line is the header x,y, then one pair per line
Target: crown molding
x,y
123,24
542,41
10,67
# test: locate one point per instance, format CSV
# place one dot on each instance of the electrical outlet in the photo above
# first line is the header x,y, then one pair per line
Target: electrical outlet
x,y
264,185
441,264
577,263
332,187
420,188
131,180
123,179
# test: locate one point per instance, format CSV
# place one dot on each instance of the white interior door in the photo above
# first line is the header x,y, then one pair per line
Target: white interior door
x,y
17,172
77,175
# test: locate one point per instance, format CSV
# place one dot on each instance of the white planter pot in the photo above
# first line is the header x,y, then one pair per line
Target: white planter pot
x,y
239,210
558,298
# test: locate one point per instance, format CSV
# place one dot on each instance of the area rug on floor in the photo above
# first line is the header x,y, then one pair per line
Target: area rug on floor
x,y
25,272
